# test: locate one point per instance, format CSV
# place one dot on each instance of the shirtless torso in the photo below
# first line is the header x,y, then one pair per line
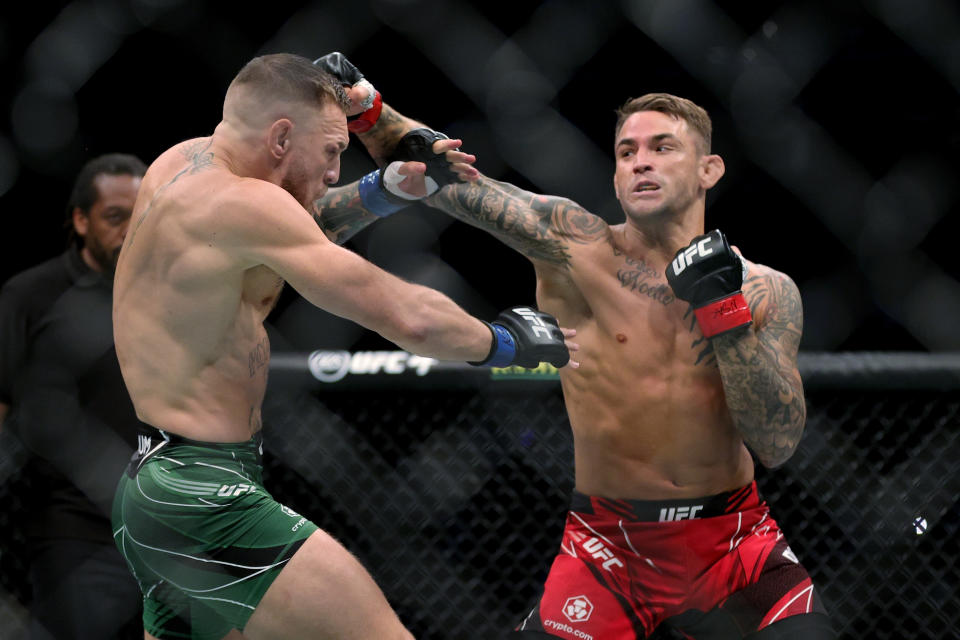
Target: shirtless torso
x,y
188,315
666,525
648,411
205,259
657,411
219,225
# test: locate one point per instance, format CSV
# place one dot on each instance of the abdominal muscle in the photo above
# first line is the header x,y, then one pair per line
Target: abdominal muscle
x,y
658,436
212,397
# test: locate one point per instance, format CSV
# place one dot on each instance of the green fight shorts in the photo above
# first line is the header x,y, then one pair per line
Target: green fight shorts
x,y
200,533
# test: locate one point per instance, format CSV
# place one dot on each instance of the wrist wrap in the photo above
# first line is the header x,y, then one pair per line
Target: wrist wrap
x,y
723,315
365,121
503,348
375,198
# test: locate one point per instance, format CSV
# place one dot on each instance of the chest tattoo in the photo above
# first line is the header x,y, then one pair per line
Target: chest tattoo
x,y
638,276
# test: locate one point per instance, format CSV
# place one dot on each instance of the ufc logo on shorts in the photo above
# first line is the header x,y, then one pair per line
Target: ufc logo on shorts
x,y
595,547
227,490
679,513
143,444
683,260
539,329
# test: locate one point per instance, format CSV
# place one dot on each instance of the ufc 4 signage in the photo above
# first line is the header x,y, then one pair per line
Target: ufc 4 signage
x,y
683,260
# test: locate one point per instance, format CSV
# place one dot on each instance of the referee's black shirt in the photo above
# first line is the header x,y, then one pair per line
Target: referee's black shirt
x,y
59,372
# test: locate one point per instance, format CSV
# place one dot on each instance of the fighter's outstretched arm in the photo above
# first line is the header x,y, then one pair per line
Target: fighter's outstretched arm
x,y
543,228
382,138
540,227
341,214
378,126
265,225
344,211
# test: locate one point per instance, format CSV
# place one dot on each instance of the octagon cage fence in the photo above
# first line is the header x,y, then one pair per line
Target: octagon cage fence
x,y
450,483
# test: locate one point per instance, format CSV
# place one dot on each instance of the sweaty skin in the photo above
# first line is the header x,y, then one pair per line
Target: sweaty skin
x,y
657,410
207,253
188,329
648,412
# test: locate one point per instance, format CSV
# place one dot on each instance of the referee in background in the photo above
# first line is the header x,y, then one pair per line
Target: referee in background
x,y
62,394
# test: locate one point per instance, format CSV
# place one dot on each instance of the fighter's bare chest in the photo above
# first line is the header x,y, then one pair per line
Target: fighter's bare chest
x,y
633,310
613,283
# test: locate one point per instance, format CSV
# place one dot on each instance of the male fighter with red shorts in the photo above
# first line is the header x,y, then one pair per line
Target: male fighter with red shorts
x,y
689,359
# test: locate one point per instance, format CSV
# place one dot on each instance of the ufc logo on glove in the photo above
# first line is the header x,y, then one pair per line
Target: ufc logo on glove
x,y
708,274
685,257
536,324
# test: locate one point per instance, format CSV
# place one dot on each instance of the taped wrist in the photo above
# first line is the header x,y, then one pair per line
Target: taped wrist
x,y
723,315
391,178
375,198
365,121
503,348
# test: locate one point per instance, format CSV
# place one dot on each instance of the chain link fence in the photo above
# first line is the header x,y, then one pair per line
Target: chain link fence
x,y
454,496
837,119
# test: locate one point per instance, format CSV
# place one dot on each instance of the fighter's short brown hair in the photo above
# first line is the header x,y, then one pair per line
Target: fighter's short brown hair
x,y
291,77
695,116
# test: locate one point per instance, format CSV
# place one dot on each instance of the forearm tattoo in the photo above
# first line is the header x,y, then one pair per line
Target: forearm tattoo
x,y
540,227
759,370
382,138
340,213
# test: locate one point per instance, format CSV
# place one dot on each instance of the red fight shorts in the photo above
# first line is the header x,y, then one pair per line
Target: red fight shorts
x,y
627,566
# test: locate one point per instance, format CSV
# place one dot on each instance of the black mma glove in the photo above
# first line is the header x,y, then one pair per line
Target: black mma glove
x,y
708,274
337,65
525,337
417,144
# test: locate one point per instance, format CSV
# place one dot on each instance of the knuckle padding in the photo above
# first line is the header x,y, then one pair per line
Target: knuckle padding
x,y
534,347
337,65
417,145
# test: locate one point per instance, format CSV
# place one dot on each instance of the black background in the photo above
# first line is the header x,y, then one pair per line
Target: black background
x,y
874,96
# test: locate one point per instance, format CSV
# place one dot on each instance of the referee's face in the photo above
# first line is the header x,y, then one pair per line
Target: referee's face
x,y
104,227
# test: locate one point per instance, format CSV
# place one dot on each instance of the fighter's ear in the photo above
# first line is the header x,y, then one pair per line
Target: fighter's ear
x,y
278,137
711,170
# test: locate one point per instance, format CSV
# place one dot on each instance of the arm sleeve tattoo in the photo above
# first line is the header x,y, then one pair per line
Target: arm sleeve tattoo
x,y
759,370
540,227
382,138
340,213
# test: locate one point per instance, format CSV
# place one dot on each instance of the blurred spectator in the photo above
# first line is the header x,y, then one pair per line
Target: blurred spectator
x,y
61,385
